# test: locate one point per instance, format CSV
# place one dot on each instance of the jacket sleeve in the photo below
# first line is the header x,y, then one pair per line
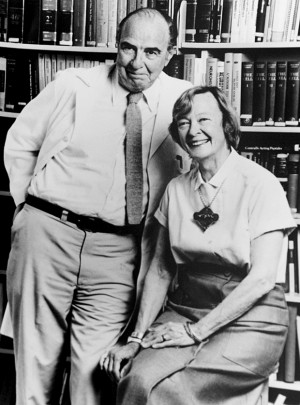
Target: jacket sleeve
x,y
24,140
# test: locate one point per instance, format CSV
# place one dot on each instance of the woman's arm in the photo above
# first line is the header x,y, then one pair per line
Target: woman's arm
x,y
265,254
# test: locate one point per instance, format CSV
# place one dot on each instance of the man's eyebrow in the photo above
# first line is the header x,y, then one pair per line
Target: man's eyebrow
x,y
128,44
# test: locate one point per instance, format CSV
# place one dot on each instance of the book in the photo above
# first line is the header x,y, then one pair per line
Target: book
x,y
260,20
141,3
203,14
289,20
220,75
259,93
65,22
211,71
189,67
23,83
216,21
293,180
175,67
60,62
102,23
162,6
290,346
296,22
15,20
243,21
236,88
235,22
112,23
268,28
41,71
251,18
247,93
228,66
11,83
226,20
131,6
47,68
292,93
278,23
280,93
32,18
90,24
190,25
267,19
3,20
49,22
79,22
271,89
2,82
281,171
122,10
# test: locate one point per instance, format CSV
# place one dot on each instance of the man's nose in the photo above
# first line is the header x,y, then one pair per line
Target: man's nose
x,y
138,60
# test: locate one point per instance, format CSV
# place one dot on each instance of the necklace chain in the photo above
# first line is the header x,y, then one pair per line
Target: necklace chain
x,y
214,197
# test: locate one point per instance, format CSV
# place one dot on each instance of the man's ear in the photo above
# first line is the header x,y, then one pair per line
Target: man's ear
x,y
169,55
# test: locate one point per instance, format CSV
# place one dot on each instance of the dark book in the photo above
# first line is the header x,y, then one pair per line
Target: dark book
x,y
292,93
2,82
291,344
293,179
65,22
7,380
11,84
216,21
259,93
23,83
190,25
226,20
15,20
49,22
247,93
90,34
280,93
271,89
203,14
281,171
152,3
260,20
32,20
3,19
175,67
162,6
79,25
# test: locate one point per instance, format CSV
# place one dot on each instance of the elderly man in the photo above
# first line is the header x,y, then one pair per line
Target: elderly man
x,y
87,168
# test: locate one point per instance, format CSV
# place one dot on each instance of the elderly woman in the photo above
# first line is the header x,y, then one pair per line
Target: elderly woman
x,y
222,225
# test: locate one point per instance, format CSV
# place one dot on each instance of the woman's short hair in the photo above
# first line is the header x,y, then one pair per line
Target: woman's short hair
x,y
183,106
150,13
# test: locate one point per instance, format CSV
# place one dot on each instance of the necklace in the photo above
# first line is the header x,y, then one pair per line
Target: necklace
x,y
206,217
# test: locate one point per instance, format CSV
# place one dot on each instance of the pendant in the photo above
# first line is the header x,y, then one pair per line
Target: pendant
x,y
205,218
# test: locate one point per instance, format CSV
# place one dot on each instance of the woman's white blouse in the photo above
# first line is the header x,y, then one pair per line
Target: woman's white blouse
x,y
250,201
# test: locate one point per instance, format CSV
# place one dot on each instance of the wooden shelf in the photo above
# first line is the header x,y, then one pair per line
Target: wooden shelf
x,y
255,45
5,194
281,385
57,48
273,130
7,114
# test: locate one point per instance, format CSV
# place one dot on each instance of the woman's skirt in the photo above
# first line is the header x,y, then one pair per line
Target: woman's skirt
x,y
230,368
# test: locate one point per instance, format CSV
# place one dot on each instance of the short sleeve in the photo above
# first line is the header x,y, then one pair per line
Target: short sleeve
x,y
269,209
161,213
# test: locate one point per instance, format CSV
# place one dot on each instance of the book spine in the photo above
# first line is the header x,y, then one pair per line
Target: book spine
x,y
23,83
102,23
228,66
152,3
162,6
190,25
175,67
251,24
60,61
260,20
211,71
122,10
189,67
90,25
235,22
141,3
15,21
11,80
293,178
65,22
290,348
226,21
79,22
259,93
203,14
131,6
3,20
220,75
112,23
236,82
41,71
280,95
271,88
32,18
2,82
49,22
278,23
247,93
292,93
296,22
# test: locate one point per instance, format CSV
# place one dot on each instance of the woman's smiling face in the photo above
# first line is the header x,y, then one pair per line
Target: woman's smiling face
x,y
201,130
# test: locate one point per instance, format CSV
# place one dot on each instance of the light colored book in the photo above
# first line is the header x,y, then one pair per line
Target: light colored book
x,y
228,67
53,65
296,21
279,20
289,20
251,21
60,62
121,10
41,70
112,23
220,75
102,23
211,71
2,82
189,67
236,20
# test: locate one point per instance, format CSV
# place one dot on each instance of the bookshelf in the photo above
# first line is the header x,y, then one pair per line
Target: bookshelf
x,y
255,135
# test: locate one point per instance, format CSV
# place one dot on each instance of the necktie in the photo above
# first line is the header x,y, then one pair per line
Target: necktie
x,y
134,164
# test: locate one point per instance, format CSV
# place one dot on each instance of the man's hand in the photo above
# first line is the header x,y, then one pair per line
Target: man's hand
x,y
117,361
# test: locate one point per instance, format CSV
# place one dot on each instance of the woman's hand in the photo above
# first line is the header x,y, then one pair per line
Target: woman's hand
x,y
166,335
117,361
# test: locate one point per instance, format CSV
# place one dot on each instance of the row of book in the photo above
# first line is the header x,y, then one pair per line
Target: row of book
x,y
23,77
284,163
243,21
68,22
262,92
